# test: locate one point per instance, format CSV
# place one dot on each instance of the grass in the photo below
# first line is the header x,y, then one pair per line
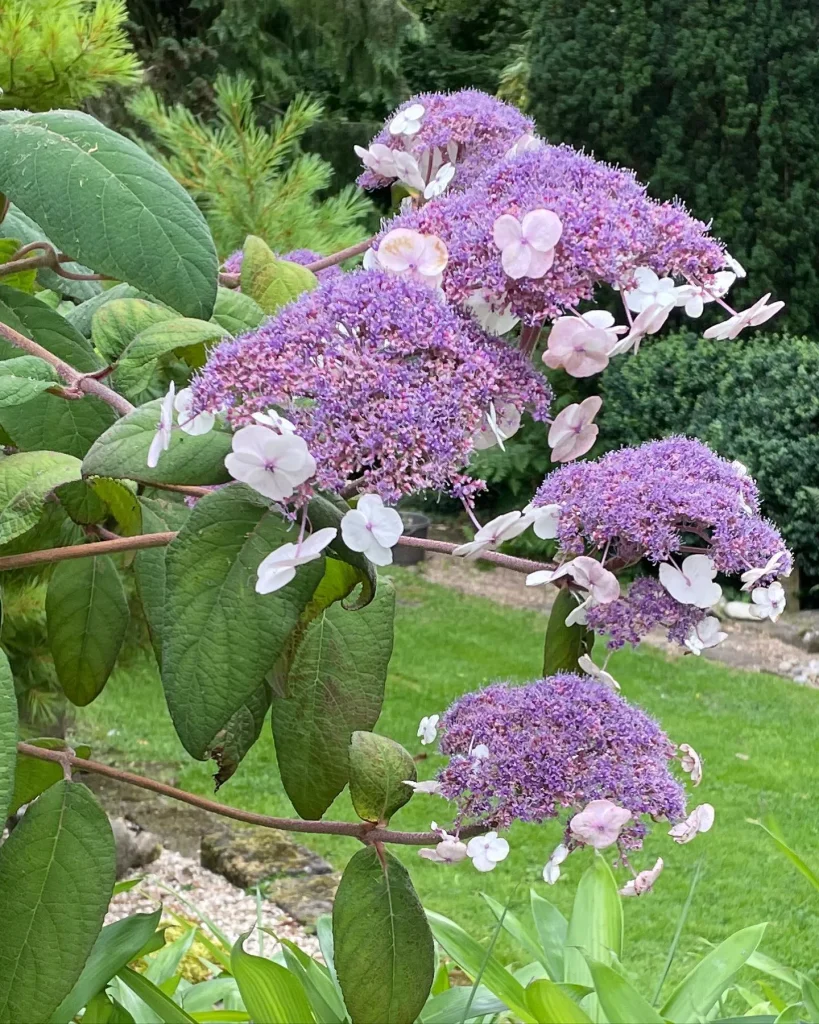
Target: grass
x,y
446,644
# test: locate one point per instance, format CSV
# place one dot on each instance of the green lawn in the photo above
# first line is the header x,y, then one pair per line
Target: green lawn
x,y
446,644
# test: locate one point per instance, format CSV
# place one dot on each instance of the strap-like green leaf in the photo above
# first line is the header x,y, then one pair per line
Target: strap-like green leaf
x,y
620,1001
270,992
163,1006
552,928
8,735
549,1004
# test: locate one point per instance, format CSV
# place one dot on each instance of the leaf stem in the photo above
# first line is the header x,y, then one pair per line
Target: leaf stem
x,y
49,257
363,831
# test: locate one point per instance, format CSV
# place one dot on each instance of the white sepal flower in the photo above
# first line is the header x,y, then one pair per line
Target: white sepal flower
x,y
599,824
408,120
644,882
162,438
585,662
551,871
272,464
769,602
406,252
497,530
372,529
486,852
691,763
432,787
705,634
753,316
545,520
649,289
750,577
272,419
493,320
589,574
440,183
479,752
448,851
526,143
498,425
201,423
428,729
380,159
528,246
408,171
279,567
573,430
734,265
693,583
699,820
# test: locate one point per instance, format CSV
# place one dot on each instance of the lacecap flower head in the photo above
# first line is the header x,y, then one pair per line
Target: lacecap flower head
x,y
387,385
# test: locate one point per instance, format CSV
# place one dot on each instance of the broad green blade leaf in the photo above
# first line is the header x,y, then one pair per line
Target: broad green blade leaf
x,y
798,862
164,1007
81,502
469,955
8,735
117,944
37,321
620,1001
269,991
81,317
327,511
237,737
549,1004
270,282
236,312
87,615
810,997
383,945
220,1016
552,928
122,451
130,219
379,769
334,687
163,965
122,503
23,279
149,565
137,364
26,479
516,929
761,962
221,637
450,1005
564,644
33,776
595,927
56,876
793,1014
116,323
699,991
204,994
23,378
324,997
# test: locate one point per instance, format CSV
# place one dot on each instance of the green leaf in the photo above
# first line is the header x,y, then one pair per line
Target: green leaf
x,y
81,502
138,363
56,876
324,511
269,991
799,863
81,317
237,737
515,927
236,312
122,503
16,389
270,282
37,321
564,644
325,998
549,1004
378,769
384,953
620,1001
449,1006
122,451
26,479
23,280
149,565
335,686
34,776
111,205
163,1006
87,615
595,927
221,637
8,735
116,946
470,956
115,324
552,928
810,997
699,990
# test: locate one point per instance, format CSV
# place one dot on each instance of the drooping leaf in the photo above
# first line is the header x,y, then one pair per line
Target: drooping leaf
x,y
149,565
269,991
552,928
122,451
549,1004
26,479
334,686
271,282
700,989
236,312
130,219
115,324
81,317
221,638
122,503
87,615
137,364
619,999
34,319
564,644
81,502
378,769
33,776
328,512
162,1005
384,953
23,280
56,876
8,735
116,946
242,730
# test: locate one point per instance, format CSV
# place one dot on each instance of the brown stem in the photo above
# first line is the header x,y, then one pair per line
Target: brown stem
x,y
191,489
232,280
49,257
78,382
358,830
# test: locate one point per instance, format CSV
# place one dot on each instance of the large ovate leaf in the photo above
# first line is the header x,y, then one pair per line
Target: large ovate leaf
x,y
699,990
44,325
269,991
8,735
103,199
26,479
271,282
384,953
619,999
24,378
550,1004
221,638
81,317
149,565
236,312
116,946
33,775
115,324
564,644
183,336
56,876
122,452
240,733
334,686
379,768
87,615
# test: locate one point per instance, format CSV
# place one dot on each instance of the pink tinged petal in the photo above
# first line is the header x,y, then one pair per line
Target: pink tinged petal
x,y
599,824
563,333
542,229
539,262
694,306
515,259
434,257
401,249
600,318
506,230
766,313
415,111
575,446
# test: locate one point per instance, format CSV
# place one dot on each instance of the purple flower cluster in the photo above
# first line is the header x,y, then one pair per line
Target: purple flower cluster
x,y
647,604
556,744
468,128
233,264
648,502
383,380
610,228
